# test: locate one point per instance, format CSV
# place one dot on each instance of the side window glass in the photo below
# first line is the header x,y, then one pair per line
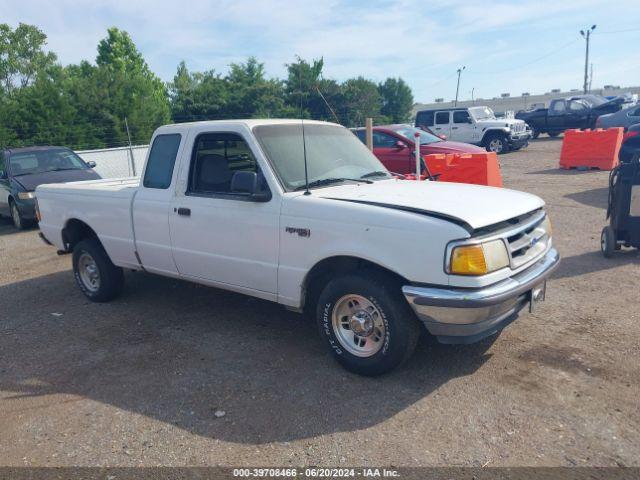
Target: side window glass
x,y
576,106
558,106
216,157
461,116
426,119
162,159
381,140
442,118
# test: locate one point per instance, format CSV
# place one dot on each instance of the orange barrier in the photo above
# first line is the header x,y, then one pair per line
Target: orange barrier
x,y
477,168
591,148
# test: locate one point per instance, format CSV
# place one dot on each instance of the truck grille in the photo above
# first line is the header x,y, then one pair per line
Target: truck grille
x,y
528,241
518,127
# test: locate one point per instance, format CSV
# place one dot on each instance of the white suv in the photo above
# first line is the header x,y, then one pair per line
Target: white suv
x,y
477,125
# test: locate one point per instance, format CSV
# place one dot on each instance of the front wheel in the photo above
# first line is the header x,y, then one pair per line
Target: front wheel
x,y
535,133
367,324
16,216
98,278
497,144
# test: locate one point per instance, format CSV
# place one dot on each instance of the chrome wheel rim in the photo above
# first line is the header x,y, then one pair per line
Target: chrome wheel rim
x,y
89,273
495,145
358,325
15,215
603,241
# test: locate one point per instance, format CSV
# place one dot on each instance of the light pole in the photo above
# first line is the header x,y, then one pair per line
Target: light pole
x,y
458,86
587,35
473,99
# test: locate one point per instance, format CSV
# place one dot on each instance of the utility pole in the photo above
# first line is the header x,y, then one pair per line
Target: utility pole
x,y
590,76
472,99
458,86
587,35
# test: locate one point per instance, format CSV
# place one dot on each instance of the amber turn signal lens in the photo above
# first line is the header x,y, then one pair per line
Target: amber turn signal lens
x,y
468,260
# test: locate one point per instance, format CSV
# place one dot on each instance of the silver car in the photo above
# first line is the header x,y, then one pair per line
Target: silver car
x,y
623,118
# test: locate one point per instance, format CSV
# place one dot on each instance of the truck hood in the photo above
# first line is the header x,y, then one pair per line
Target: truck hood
x,y
500,122
475,205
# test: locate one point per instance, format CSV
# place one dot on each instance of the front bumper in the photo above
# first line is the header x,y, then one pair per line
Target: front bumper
x,y
463,315
27,208
518,140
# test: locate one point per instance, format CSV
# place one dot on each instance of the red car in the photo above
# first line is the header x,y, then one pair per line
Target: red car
x,y
394,146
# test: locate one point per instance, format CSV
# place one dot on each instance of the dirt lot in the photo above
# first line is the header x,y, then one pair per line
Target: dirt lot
x,y
138,381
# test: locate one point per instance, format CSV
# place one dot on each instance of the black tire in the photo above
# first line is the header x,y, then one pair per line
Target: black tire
x,y
535,133
390,309
18,222
554,134
608,244
110,277
493,140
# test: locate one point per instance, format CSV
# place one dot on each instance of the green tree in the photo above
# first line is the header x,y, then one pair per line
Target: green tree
x,y
321,98
251,94
361,100
22,56
197,96
397,99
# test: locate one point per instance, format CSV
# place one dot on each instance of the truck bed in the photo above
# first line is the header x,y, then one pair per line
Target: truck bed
x,y
104,205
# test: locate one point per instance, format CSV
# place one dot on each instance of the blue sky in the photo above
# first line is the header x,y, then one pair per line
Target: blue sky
x,y
507,46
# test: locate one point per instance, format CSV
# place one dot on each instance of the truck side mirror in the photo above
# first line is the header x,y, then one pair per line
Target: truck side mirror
x,y
91,164
469,120
247,183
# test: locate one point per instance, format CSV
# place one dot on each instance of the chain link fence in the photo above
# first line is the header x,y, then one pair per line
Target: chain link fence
x,y
117,162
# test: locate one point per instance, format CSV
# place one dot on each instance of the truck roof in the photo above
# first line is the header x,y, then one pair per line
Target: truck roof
x,y
250,122
444,109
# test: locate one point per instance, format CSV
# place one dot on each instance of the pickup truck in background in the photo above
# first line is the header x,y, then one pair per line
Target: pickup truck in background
x,y
373,258
577,112
476,125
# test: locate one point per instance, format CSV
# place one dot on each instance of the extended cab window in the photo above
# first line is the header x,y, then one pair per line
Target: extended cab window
x,y
216,157
461,116
442,118
425,118
162,159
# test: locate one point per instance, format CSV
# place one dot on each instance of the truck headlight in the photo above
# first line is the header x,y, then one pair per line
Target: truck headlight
x,y
26,195
478,259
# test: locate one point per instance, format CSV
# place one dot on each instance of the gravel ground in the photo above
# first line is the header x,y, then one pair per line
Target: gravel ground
x,y
178,374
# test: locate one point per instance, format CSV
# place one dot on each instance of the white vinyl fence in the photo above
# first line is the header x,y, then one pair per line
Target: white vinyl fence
x,y
116,162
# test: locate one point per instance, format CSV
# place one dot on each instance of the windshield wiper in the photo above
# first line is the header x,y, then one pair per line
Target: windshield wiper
x,y
328,181
61,169
377,173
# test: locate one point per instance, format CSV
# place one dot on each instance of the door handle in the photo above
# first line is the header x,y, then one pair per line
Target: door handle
x,y
185,212
454,128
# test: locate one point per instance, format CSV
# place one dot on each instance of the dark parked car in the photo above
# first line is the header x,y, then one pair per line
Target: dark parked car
x,y
623,118
630,144
580,111
23,169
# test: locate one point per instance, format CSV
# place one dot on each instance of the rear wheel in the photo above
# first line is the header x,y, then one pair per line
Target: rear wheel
x,y
497,143
98,278
18,222
608,243
367,324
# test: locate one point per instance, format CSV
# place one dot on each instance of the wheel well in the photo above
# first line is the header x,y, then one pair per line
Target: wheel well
x,y
321,272
491,134
75,231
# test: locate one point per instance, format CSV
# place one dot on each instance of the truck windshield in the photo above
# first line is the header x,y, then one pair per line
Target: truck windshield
x,y
409,133
482,113
332,153
40,161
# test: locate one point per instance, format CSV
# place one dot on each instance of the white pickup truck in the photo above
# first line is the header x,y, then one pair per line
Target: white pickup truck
x,y
374,258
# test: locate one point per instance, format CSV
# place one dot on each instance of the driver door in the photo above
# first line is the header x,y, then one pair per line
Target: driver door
x,y
442,125
4,185
395,158
219,237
